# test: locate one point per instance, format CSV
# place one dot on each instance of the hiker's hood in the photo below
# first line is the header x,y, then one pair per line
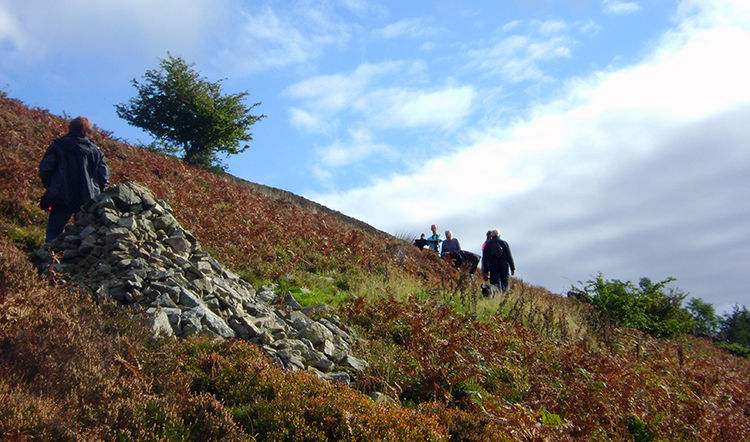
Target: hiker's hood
x,y
76,145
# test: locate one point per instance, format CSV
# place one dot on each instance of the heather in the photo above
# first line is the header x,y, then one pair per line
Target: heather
x,y
444,362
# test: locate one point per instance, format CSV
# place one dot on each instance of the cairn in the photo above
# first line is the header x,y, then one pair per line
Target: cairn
x,y
126,245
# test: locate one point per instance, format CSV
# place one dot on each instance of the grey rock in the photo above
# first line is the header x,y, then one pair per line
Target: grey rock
x,y
202,267
336,330
190,322
127,223
147,200
342,377
316,332
299,320
265,296
116,233
328,349
88,230
265,337
352,362
163,221
244,328
163,300
292,359
213,303
159,322
169,290
190,299
174,315
290,302
294,344
110,217
178,243
124,197
104,203
316,308
319,361
216,324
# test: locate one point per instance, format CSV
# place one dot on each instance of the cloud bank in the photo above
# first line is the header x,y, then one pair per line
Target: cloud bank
x,y
633,171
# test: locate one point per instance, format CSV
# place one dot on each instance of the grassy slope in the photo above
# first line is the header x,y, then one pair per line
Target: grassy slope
x,y
523,367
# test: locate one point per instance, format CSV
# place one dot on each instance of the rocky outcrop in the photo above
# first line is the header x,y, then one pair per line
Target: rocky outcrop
x,y
126,245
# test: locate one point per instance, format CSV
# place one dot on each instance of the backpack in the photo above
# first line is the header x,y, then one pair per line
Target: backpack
x,y
493,249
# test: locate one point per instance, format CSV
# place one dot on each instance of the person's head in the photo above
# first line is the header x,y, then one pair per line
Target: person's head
x,y
496,233
434,228
80,127
489,234
449,234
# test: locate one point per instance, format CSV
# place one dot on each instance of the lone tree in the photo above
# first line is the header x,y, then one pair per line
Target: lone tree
x,y
184,111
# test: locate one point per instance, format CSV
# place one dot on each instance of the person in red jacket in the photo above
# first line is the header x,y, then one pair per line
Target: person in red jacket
x,y
73,171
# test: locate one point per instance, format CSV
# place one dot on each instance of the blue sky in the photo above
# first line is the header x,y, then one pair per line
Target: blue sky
x,y
597,135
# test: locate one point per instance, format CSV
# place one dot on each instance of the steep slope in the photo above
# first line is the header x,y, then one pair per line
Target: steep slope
x,y
251,228
72,369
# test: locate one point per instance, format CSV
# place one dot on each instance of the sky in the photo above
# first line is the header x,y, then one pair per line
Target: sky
x,y
597,135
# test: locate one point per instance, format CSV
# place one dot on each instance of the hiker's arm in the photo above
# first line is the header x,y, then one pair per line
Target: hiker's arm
x,y
48,165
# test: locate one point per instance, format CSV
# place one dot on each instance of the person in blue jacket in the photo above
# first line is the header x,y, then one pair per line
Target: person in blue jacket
x,y
73,171
434,241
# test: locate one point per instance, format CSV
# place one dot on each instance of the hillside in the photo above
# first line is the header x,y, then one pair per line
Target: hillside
x,y
441,365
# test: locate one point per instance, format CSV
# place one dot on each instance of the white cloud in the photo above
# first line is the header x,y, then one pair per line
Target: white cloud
x,y
358,91
308,121
333,93
401,108
360,147
10,31
119,28
427,46
411,28
518,57
620,7
270,39
650,156
549,27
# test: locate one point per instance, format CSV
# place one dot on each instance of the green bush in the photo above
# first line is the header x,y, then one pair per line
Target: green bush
x,y
649,307
735,349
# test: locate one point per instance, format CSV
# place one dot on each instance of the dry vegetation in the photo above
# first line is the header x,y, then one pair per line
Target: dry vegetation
x,y
523,366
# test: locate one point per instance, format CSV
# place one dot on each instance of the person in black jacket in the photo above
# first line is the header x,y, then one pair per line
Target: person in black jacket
x,y
496,260
73,171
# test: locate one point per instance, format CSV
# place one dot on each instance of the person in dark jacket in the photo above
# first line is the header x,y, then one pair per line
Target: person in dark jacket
x,y
73,171
496,260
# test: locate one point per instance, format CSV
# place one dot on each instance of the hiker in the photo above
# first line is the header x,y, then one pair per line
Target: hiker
x,y
489,235
450,245
434,240
73,171
496,260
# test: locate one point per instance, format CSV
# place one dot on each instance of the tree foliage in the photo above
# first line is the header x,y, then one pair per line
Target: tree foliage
x,y
186,112
650,307
704,317
735,328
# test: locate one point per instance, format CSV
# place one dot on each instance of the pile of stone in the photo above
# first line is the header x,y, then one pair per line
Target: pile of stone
x,y
127,246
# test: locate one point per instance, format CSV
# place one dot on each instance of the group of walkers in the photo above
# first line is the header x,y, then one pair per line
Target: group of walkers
x,y
497,260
